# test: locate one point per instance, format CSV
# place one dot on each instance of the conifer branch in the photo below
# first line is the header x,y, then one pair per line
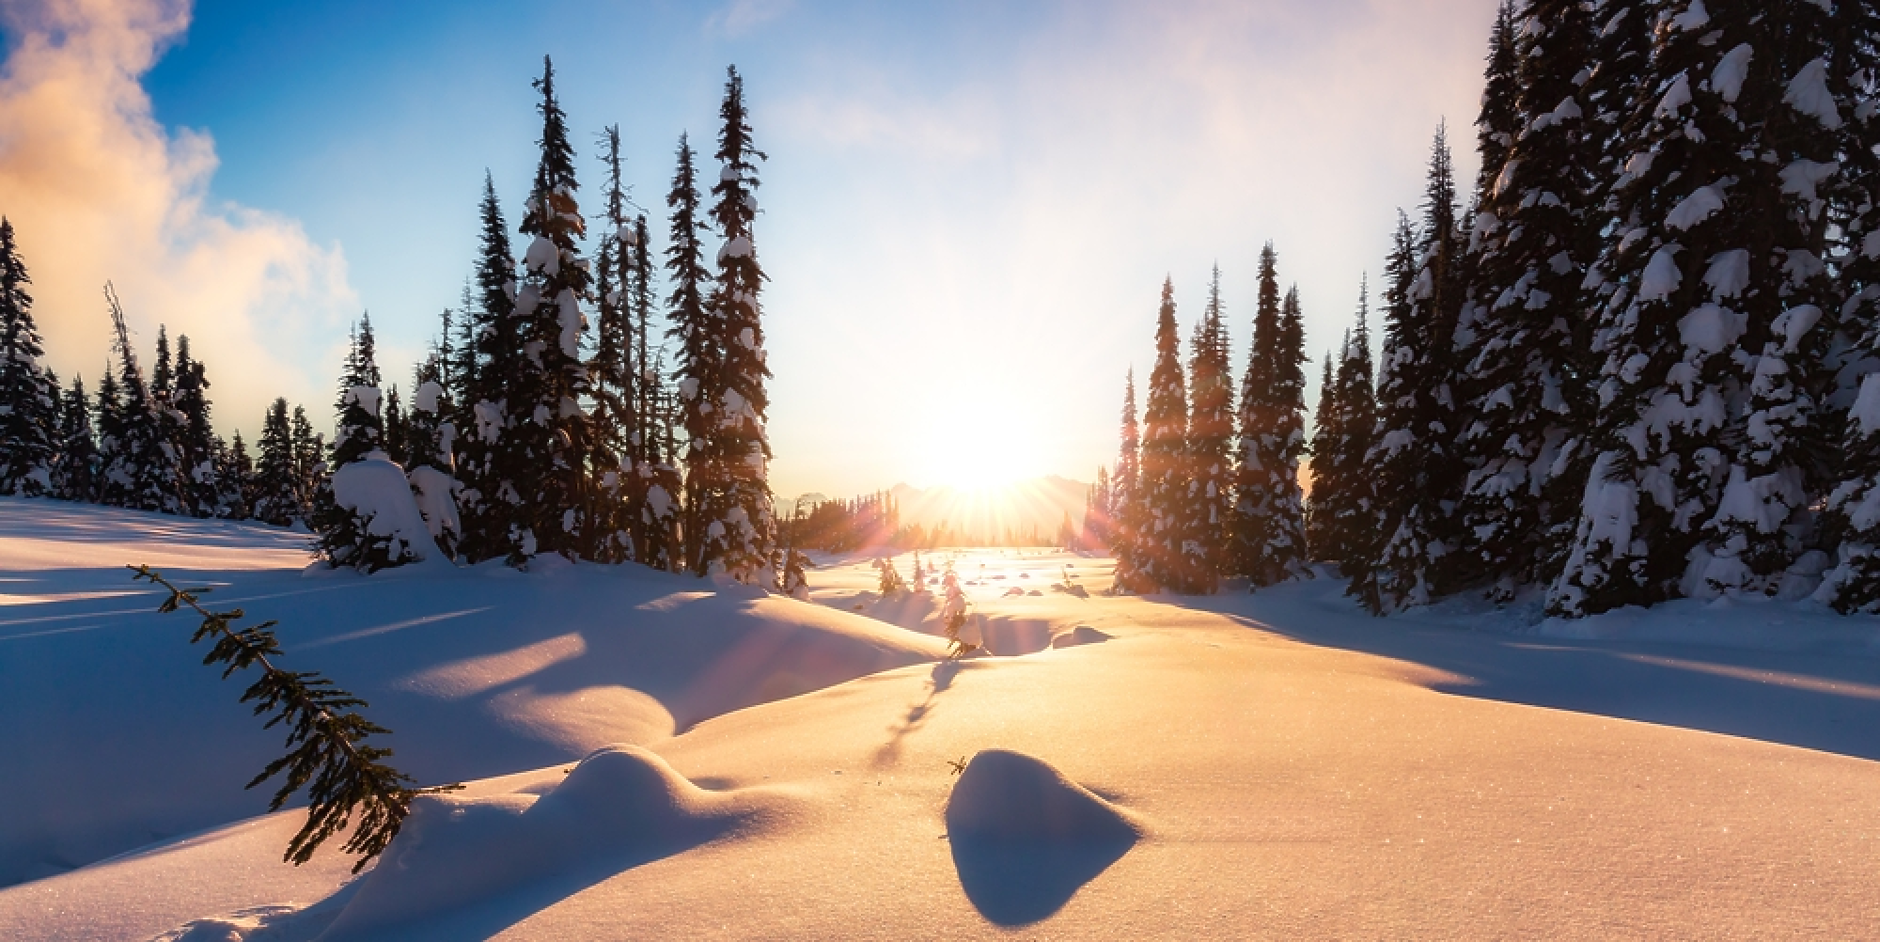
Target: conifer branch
x,y
328,756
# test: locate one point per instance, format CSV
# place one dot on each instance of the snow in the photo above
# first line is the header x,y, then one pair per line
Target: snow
x,y
1661,275
1793,324
425,397
739,247
365,397
376,490
1694,17
1808,93
1677,96
652,756
542,257
1866,413
1728,274
1727,79
434,491
1710,329
1695,208
1803,176
572,323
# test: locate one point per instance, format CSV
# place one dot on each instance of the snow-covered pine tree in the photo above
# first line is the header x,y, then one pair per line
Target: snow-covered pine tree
x,y
1127,512
653,451
29,421
144,472
109,416
1535,235
1164,484
693,326
431,441
1718,326
1252,474
490,353
545,449
235,475
1325,430
196,434
739,529
358,527
1413,464
311,471
614,370
1270,543
1210,445
1350,493
74,474
396,441
1852,516
277,494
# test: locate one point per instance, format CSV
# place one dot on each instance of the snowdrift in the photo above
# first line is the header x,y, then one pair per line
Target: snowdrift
x,y
478,672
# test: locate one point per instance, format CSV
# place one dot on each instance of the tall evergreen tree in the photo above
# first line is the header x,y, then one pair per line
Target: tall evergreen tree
x,y
277,491
350,531
75,472
1164,486
1127,512
1325,430
694,327
235,475
29,422
654,453
545,449
396,441
431,440
311,470
1210,444
1717,329
492,353
1413,463
1853,584
196,435
144,473
1271,544
109,488
1342,485
728,477
1536,235
615,370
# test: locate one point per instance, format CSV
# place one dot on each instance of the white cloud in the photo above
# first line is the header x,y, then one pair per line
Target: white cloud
x,y
740,17
97,190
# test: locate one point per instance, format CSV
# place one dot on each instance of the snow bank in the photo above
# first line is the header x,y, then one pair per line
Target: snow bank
x,y
459,858
1025,838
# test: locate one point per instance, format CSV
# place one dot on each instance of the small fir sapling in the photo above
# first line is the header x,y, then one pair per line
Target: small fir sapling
x,y
326,737
890,577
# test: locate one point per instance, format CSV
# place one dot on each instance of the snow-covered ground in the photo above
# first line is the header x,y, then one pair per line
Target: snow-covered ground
x,y
755,767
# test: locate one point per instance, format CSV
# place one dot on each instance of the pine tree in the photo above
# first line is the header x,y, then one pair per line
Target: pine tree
x,y
1270,544
430,441
733,494
615,371
29,422
1413,463
654,453
106,488
235,474
144,474
350,531
1718,322
75,472
1166,518
312,488
196,434
1342,481
693,326
397,439
1325,431
545,449
1536,235
492,353
1127,512
1210,443
277,490
1853,584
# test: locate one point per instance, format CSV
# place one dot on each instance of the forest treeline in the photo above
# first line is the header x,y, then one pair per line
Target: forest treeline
x,y
1639,365
565,407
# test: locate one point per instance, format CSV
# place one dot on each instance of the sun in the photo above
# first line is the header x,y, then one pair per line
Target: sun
x,y
984,451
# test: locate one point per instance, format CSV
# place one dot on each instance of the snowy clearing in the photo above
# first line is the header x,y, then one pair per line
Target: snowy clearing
x,y
1233,766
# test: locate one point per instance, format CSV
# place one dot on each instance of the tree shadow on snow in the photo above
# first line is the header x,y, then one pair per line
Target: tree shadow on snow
x,y
1828,702
889,755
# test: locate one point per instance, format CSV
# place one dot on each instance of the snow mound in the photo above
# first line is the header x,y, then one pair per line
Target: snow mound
x,y
1080,635
484,860
1025,838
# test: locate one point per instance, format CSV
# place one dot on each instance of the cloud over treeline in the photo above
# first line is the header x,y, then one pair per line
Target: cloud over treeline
x,y
98,190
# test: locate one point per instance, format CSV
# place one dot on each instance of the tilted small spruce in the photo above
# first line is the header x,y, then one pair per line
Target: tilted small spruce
x,y
326,738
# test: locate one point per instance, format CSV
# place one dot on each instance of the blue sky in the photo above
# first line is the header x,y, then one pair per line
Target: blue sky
x,y
969,207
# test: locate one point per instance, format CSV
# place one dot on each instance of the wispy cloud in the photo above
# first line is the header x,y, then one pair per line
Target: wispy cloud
x,y
98,190
740,17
